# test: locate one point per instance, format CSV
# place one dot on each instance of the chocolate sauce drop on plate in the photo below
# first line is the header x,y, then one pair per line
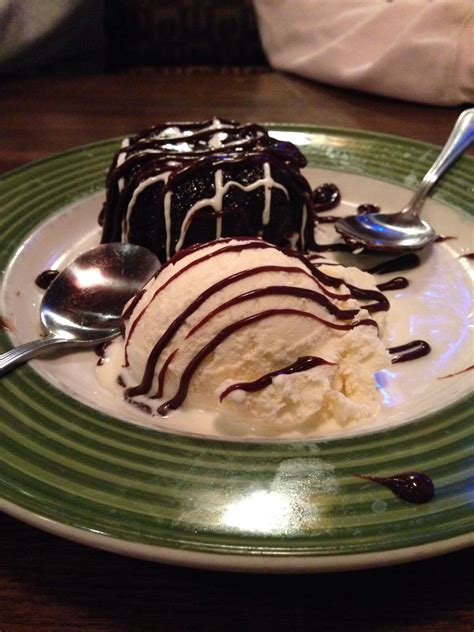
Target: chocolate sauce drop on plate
x,y
397,283
326,197
404,262
100,351
413,487
45,279
468,255
409,351
468,368
5,324
362,209
337,247
440,238
327,219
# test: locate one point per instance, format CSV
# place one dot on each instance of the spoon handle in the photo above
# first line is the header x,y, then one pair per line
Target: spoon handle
x,y
10,359
461,137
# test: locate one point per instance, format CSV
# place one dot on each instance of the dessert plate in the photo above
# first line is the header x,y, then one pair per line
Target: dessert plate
x,y
71,465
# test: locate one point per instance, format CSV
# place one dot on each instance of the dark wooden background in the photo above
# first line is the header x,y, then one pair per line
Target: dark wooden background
x,y
48,584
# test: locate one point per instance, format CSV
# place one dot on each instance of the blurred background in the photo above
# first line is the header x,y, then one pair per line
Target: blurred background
x,y
81,36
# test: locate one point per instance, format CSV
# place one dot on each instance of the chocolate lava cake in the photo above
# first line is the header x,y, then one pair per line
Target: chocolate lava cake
x,y
178,184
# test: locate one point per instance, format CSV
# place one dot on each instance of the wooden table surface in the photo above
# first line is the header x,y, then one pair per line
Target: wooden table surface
x,y
51,584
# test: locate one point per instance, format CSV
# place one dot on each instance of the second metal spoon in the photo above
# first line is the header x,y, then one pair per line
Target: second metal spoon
x,y
405,230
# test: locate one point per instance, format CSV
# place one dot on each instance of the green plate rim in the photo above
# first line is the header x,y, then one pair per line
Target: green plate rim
x,y
70,470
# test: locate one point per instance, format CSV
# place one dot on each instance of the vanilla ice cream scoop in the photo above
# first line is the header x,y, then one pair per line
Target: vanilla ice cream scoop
x,y
257,333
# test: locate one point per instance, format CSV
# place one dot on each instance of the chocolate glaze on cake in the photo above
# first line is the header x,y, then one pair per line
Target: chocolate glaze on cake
x,y
179,184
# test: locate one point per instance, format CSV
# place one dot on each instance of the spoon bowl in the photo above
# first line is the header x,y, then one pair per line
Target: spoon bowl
x,y
387,232
83,305
404,231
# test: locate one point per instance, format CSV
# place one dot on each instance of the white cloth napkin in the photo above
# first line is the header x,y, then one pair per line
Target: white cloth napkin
x,y
418,50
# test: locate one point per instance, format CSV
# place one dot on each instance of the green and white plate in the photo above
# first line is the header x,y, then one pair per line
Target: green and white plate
x,y
77,463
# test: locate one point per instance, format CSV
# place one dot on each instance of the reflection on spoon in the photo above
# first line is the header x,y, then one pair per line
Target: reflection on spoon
x,y
83,304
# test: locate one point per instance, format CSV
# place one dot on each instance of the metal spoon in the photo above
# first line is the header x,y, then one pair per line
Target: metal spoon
x,y
82,306
405,230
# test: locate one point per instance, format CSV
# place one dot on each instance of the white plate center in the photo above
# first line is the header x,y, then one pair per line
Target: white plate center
x,y
436,307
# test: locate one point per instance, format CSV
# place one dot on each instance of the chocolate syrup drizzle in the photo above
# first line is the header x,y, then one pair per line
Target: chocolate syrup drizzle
x,y
229,248
320,295
404,262
242,149
328,197
327,219
170,332
302,364
336,247
397,283
440,238
100,351
45,279
413,487
363,209
321,279
325,198
468,368
409,351
146,153
282,290
205,351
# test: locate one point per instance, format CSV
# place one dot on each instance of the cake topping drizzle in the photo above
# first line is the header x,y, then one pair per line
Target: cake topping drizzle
x,y
193,173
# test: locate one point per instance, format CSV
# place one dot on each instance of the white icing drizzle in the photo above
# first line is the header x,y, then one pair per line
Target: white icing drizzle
x,y
167,213
304,214
293,239
141,187
174,133
169,132
216,140
120,160
269,183
220,190
218,225
181,147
